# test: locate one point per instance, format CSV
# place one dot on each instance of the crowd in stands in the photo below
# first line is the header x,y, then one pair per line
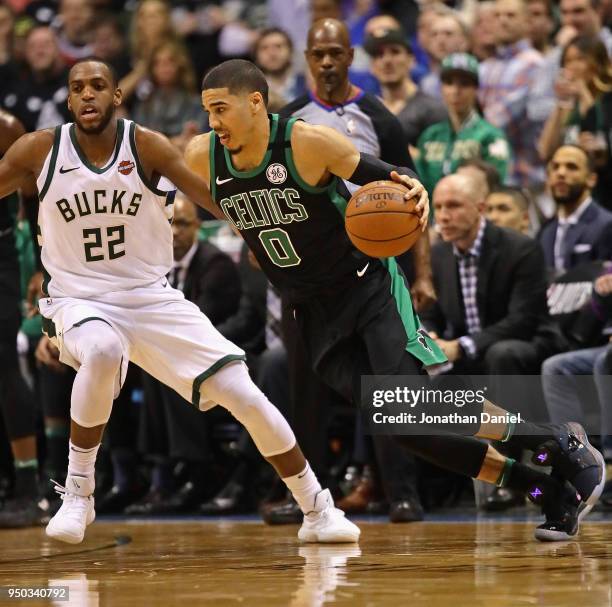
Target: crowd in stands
x,y
505,109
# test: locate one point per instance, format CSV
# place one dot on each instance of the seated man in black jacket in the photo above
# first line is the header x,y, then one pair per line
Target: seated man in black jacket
x,y
491,314
491,287
169,431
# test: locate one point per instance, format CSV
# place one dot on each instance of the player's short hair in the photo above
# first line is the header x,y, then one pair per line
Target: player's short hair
x,y
520,195
111,69
238,76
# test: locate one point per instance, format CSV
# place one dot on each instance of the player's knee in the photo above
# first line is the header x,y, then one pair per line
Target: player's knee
x,y
104,354
244,403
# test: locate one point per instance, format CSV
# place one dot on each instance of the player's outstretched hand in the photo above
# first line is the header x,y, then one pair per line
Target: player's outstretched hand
x,y
418,191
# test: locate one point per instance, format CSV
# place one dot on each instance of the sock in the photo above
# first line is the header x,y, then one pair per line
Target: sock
x,y
26,478
57,449
531,435
82,462
527,480
304,487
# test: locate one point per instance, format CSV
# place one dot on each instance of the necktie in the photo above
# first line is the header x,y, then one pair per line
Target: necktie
x,y
173,277
560,245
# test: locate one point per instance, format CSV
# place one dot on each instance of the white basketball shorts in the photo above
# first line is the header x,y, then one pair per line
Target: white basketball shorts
x,y
160,331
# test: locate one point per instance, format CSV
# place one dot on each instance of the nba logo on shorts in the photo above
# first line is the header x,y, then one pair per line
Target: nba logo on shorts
x,y
276,173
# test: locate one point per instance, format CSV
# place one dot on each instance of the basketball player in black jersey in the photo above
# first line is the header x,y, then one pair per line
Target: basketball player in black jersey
x,y
275,181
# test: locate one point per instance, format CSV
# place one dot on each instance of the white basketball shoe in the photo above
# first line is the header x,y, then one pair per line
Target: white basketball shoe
x,y
77,510
326,524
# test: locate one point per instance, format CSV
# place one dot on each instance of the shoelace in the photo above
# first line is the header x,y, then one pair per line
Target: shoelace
x,y
76,504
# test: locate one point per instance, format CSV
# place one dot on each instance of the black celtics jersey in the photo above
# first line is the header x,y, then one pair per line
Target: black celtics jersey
x,y
295,230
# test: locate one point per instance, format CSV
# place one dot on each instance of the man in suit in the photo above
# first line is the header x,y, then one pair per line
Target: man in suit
x,y
581,231
491,285
491,315
169,431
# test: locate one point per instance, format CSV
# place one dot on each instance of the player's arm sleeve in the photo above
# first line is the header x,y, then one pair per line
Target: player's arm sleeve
x,y
371,168
393,142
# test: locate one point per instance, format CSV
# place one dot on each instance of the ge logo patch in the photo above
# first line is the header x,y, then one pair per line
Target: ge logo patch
x,y
276,173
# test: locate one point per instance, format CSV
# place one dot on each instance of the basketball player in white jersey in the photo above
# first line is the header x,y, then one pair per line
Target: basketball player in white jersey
x,y
106,239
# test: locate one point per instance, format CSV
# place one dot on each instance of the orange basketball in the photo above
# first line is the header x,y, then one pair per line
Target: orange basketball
x,y
378,220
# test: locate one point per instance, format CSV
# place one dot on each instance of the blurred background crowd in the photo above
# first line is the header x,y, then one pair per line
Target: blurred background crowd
x,y
505,108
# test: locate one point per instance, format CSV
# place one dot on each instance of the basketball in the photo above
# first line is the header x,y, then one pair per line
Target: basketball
x,y
380,222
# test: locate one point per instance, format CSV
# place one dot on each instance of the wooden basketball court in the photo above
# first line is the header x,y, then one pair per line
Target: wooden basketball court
x,y
487,563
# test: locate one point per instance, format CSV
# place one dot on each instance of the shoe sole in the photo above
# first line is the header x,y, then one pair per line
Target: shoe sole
x,y
586,506
348,537
67,538
546,535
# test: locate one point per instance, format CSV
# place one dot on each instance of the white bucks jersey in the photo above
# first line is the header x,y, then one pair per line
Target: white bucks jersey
x,y
101,229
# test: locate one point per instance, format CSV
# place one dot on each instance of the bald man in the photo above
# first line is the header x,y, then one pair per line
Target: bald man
x,y
337,103
490,281
491,315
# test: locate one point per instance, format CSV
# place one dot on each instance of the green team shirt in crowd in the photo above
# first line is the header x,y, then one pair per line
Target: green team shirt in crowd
x,y
442,150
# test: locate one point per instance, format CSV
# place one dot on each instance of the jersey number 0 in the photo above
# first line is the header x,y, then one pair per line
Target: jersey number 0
x,y
279,247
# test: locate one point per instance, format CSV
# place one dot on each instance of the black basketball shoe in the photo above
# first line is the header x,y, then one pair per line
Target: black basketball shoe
x,y
24,512
562,508
573,458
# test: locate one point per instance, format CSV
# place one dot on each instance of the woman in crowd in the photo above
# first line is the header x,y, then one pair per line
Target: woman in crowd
x,y
585,76
171,104
151,25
